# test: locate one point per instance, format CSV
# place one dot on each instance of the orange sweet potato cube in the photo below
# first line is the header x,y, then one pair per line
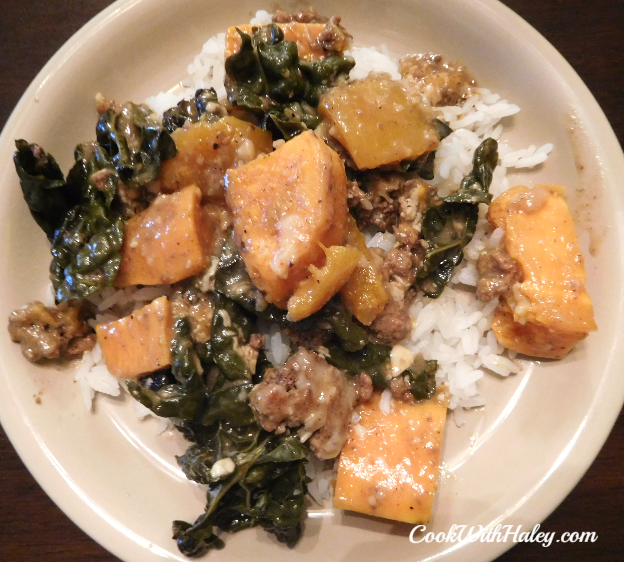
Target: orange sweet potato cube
x,y
139,343
165,243
389,465
549,311
283,207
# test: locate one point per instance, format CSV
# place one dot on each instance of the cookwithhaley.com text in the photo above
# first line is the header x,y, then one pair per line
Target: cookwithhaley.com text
x,y
500,533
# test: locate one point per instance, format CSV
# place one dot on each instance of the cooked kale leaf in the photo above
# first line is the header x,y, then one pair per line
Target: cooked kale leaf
x,y
263,483
254,478
450,226
204,106
135,142
45,191
232,327
420,378
371,359
83,215
423,165
267,78
233,281
86,246
187,397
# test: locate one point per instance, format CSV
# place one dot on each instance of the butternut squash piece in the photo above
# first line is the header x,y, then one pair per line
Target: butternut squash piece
x,y
389,464
315,291
306,35
363,293
166,242
139,343
283,206
551,304
207,150
379,121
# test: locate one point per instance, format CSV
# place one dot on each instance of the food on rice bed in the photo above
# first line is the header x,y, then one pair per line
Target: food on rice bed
x,y
299,262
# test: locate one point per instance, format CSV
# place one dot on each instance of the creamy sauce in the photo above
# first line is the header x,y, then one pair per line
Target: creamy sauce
x,y
585,202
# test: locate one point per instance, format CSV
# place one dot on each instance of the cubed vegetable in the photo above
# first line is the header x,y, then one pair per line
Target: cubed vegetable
x,y
389,465
284,206
379,121
364,293
306,35
139,343
550,310
315,291
207,150
165,243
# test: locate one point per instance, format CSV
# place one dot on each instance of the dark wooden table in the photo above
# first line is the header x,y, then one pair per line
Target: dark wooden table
x,y
590,35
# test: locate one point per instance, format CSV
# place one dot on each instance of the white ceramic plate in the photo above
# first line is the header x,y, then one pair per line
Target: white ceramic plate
x,y
513,462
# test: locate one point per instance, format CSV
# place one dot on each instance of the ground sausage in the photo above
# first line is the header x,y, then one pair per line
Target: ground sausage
x,y
498,271
50,332
440,82
309,392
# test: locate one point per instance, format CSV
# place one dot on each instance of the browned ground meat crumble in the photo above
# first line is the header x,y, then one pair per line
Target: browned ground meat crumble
x,y
498,271
440,82
50,332
310,393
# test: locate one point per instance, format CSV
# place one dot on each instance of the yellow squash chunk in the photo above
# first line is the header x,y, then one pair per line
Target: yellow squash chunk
x,y
389,464
139,343
315,291
379,121
364,293
306,35
551,301
283,206
207,150
166,242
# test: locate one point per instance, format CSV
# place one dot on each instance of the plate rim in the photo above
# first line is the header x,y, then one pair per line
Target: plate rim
x,y
57,483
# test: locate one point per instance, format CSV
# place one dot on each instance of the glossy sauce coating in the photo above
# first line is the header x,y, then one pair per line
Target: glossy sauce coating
x,y
389,465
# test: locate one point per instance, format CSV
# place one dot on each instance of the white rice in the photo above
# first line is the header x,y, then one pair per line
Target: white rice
x,y
453,329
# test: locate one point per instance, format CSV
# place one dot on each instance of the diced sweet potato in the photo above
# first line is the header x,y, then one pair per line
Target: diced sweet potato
x,y
306,35
283,206
531,338
139,343
165,243
389,465
551,304
364,293
207,150
315,291
379,121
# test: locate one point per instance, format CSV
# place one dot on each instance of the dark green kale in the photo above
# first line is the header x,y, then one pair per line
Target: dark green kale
x,y
83,215
371,359
45,191
259,480
135,142
232,327
267,78
187,397
203,107
351,335
448,227
420,378
86,245
233,281
254,478
423,165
